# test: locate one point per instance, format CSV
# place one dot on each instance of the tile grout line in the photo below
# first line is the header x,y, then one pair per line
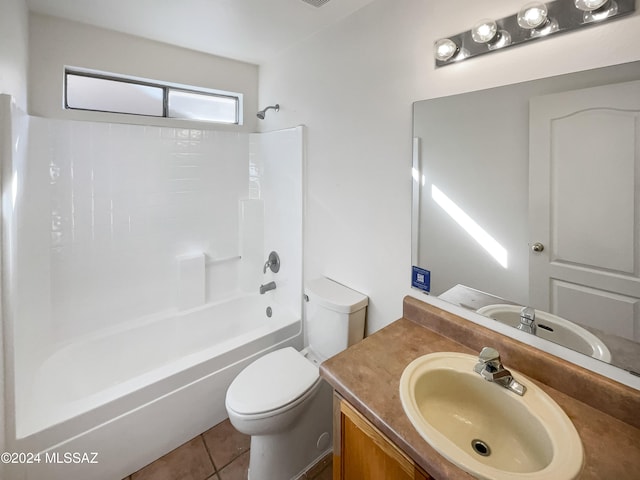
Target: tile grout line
x,y
215,468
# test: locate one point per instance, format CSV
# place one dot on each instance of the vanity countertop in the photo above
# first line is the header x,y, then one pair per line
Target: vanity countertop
x,y
368,374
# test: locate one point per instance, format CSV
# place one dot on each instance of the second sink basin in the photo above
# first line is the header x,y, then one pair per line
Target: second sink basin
x,y
553,328
484,428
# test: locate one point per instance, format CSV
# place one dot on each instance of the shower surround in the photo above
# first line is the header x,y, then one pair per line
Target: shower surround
x,y
132,262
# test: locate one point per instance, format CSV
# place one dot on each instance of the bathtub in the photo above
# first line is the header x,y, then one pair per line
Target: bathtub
x,y
132,394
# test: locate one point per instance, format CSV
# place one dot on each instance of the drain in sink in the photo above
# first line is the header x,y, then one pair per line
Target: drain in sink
x,y
480,447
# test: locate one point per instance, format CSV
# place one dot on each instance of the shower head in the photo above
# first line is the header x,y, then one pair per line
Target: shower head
x,y
261,113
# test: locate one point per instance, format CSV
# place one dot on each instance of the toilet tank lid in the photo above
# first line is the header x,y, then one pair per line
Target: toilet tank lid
x,y
335,296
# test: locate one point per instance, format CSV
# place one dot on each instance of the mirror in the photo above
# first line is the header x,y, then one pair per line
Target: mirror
x,y
475,216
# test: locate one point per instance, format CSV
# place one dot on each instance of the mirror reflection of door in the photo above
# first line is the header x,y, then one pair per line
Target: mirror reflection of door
x,y
584,188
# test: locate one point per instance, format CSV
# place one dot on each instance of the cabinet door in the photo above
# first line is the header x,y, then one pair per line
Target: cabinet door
x,y
366,454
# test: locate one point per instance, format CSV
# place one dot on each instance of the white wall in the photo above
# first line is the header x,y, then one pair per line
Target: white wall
x,y
13,50
56,43
353,86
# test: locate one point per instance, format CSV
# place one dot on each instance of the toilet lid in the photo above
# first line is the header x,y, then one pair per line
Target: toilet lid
x,y
271,382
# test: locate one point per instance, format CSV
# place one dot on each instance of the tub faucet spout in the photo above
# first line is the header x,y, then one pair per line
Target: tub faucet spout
x,y
265,288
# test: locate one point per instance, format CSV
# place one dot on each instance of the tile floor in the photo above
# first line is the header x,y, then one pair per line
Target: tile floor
x,y
221,453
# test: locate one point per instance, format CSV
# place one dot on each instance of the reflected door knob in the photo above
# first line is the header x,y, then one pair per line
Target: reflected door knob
x,y
537,247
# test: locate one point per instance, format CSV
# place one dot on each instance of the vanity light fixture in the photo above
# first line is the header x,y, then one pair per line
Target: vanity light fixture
x,y
533,21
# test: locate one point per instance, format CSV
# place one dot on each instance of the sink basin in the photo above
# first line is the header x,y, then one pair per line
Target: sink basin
x,y
553,328
485,429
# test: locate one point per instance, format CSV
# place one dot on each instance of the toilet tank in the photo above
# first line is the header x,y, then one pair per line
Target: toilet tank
x,y
335,316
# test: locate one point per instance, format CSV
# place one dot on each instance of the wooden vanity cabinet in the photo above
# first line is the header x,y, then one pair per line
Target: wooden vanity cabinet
x,y
361,451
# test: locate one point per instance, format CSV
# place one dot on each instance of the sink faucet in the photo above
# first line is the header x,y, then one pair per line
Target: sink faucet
x,y
491,369
265,288
528,320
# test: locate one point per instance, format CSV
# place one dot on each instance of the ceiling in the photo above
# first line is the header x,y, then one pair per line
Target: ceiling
x,y
253,31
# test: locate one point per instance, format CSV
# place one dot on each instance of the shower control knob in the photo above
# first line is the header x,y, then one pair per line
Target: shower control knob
x,y
537,247
273,263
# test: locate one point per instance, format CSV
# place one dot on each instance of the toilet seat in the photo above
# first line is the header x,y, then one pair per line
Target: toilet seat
x,y
272,382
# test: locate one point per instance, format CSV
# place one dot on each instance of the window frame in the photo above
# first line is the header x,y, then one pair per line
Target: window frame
x,y
166,88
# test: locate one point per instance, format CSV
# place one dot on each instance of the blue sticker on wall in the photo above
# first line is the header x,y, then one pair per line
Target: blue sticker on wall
x,y
421,278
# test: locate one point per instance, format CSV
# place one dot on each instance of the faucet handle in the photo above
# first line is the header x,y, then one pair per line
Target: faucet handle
x,y
273,263
489,355
489,359
528,313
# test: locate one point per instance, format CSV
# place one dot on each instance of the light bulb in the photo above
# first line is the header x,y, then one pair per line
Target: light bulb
x,y
589,5
484,31
596,10
445,49
532,15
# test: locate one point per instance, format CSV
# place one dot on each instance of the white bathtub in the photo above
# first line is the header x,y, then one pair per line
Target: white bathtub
x,y
131,395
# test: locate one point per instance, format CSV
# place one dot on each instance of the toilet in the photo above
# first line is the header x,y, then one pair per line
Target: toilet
x,y
280,399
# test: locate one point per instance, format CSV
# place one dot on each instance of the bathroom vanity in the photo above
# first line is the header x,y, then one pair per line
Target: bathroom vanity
x,y
374,438
363,451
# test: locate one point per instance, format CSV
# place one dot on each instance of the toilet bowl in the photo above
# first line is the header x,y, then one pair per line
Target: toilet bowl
x,y
280,399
